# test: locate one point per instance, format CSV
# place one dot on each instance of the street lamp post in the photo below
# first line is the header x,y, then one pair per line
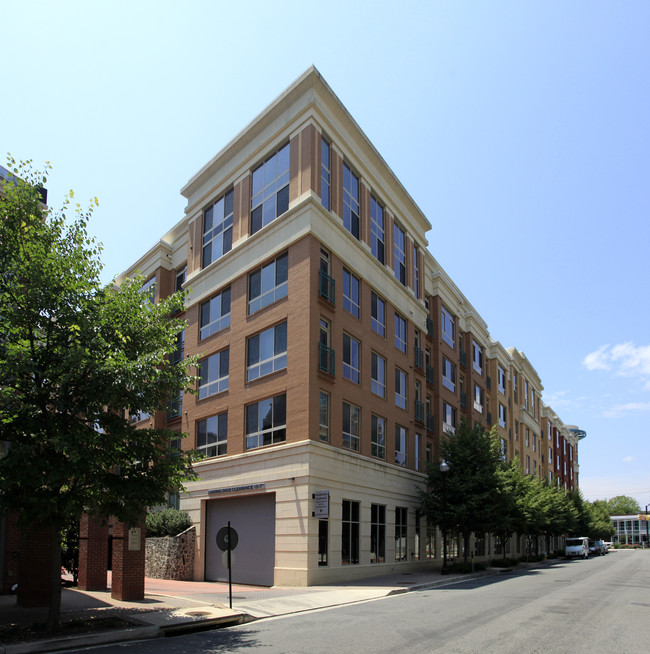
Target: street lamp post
x,y
444,469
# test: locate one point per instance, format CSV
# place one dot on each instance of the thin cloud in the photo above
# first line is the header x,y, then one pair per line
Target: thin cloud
x,y
628,459
624,359
621,410
598,360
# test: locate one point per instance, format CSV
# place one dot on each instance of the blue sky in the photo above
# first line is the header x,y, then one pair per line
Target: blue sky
x,y
520,128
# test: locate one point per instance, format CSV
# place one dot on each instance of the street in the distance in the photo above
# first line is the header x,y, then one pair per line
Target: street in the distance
x,y
601,604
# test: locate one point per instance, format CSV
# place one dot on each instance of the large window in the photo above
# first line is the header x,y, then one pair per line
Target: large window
x,y
400,333
448,418
350,533
447,326
325,173
215,314
350,201
401,530
351,426
477,357
479,397
502,415
377,314
324,416
266,422
448,374
399,254
400,388
217,229
378,437
268,284
351,358
400,445
377,236
377,533
267,352
270,194
213,374
212,435
351,293
501,374
378,377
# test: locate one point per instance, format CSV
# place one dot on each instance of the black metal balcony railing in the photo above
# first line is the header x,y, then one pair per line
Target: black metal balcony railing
x,y
327,287
419,411
431,423
419,358
488,382
463,399
463,358
430,375
430,327
326,359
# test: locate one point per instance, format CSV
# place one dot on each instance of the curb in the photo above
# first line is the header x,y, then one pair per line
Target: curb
x,y
70,642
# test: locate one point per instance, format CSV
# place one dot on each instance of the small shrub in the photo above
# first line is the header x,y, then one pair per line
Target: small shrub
x,y
460,567
169,522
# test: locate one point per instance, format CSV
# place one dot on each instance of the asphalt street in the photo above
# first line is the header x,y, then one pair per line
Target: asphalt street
x,y
578,607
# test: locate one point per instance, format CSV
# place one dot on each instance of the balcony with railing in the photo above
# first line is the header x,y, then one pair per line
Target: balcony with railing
x,y
326,359
430,375
431,423
327,287
419,411
430,327
419,358
463,358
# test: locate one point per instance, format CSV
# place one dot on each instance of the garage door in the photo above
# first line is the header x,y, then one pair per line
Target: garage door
x,y
253,518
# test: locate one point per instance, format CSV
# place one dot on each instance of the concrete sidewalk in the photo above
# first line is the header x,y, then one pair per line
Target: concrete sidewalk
x,y
177,606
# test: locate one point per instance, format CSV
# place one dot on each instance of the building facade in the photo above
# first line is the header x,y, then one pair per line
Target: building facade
x,y
335,352
631,529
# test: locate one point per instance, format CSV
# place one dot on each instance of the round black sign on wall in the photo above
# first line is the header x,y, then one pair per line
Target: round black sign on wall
x,y
227,539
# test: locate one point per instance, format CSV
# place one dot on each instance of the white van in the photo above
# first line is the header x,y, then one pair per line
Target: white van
x,y
576,547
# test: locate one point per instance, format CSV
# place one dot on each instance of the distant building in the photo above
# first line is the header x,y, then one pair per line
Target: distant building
x,y
630,529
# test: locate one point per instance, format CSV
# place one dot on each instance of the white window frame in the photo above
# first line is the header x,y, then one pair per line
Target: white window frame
x,y
273,363
447,327
378,382
351,426
220,383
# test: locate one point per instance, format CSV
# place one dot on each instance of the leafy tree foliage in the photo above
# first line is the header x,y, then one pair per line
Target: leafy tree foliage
x,y
76,358
623,505
482,493
461,500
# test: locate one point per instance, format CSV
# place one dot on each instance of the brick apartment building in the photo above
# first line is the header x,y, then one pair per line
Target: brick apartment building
x,y
335,353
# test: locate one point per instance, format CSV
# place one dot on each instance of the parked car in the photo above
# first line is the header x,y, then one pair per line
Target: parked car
x,y
578,547
597,548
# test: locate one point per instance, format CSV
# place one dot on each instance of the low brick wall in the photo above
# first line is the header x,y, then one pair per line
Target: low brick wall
x,y
171,557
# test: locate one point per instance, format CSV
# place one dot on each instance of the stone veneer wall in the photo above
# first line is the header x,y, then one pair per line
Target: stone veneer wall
x,y
171,557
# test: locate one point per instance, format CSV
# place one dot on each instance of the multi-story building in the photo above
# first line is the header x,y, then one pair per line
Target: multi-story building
x,y
631,529
335,352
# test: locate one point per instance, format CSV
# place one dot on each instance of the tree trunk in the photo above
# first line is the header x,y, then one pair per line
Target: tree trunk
x,y
466,536
54,613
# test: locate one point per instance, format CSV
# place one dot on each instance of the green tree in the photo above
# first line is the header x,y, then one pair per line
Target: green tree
x,y
623,505
600,525
461,500
76,358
